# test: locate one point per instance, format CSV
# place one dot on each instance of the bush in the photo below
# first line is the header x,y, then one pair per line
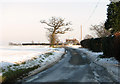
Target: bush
x,y
117,46
92,44
96,45
107,46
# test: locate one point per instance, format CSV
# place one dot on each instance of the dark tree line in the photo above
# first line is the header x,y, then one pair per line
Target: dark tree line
x,y
113,17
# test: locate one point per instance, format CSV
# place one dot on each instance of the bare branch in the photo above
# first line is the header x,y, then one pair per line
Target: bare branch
x,y
50,29
100,30
60,32
43,21
57,26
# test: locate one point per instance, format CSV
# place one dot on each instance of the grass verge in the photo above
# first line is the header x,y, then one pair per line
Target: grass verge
x,y
13,75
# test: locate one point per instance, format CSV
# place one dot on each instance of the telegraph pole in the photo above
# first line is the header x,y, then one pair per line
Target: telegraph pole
x,y
81,32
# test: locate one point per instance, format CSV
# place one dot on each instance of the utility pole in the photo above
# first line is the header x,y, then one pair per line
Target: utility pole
x,y
81,32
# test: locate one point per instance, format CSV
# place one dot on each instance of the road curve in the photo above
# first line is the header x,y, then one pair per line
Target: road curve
x,y
74,67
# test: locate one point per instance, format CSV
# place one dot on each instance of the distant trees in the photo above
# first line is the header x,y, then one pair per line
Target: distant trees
x,y
100,30
88,36
113,17
56,25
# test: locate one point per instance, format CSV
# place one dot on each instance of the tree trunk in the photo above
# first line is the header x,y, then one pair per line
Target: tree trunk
x,y
53,40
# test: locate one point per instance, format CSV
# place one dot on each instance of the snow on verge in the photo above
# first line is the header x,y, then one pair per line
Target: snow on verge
x,y
111,64
57,55
41,60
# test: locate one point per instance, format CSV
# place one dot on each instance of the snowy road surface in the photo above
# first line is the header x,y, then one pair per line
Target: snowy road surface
x,y
74,67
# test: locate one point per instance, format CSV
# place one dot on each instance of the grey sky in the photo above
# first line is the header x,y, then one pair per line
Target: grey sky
x,y
21,18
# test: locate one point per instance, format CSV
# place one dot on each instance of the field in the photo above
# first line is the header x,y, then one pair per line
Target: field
x,y
21,59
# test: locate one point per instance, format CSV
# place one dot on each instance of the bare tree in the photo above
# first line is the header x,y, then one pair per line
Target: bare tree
x,y
50,38
56,26
100,30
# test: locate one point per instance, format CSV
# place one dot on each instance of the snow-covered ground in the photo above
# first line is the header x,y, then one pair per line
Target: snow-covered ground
x,y
111,64
18,54
74,46
29,56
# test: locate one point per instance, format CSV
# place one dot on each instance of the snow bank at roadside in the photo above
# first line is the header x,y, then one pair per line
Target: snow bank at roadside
x,y
29,57
51,60
111,64
57,54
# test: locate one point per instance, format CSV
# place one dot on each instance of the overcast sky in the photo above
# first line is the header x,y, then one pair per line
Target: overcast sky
x,y
20,19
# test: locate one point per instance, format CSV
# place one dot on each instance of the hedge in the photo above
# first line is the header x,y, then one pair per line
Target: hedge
x,y
110,46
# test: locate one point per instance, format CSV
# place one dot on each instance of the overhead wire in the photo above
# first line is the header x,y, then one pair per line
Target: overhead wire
x,y
93,11
91,14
